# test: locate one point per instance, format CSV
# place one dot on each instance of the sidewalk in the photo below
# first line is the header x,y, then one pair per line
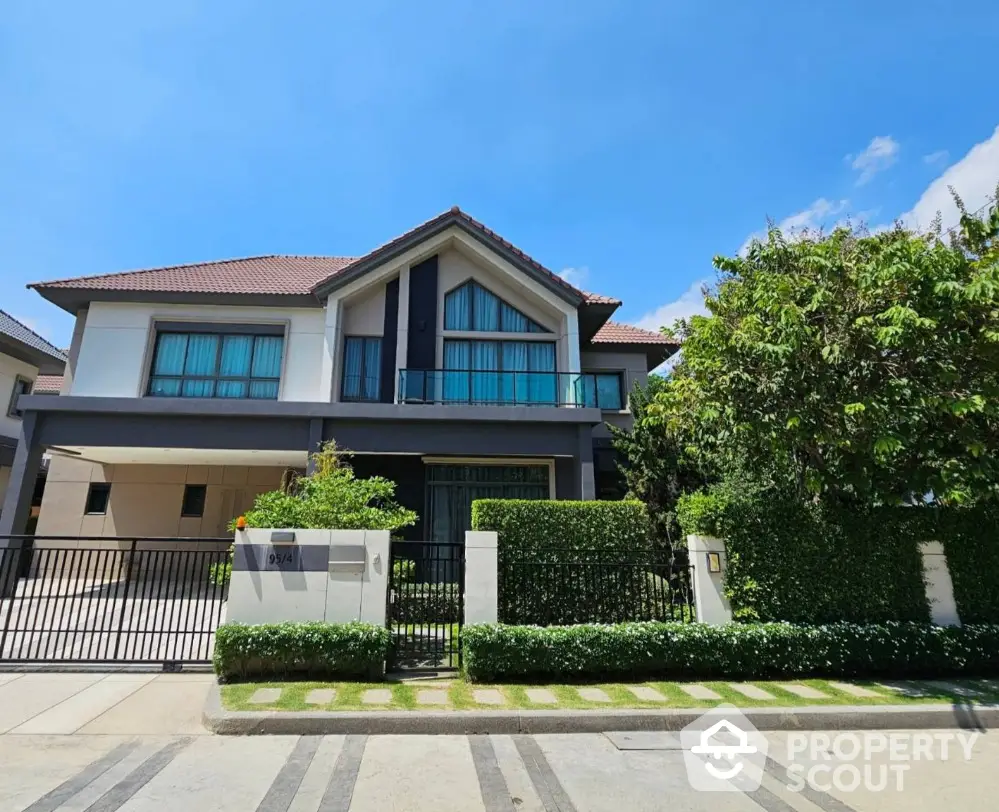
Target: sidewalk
x,y
123,703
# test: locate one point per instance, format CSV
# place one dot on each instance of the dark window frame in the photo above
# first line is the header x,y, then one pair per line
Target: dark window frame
x,y
253,331
472,283
360,398
12,410
92,491
185,509
596,373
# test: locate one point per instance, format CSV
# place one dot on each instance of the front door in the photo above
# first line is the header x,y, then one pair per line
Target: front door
x,y
451,489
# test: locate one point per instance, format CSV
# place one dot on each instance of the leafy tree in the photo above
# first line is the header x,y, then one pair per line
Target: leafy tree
x,y
331,497
849,366
656,469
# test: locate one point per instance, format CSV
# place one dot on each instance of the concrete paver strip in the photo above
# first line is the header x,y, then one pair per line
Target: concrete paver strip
x,y
431,696
855,690
593,694
9,676
157,708
954,688
804,691
24,698
320,696
904,688
646,694
265,696
750,691
73,713
541,696
317,779
488,696
518,780
377,696
696,691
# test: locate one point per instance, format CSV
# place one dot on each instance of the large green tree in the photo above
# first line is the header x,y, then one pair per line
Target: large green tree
x,y
850,366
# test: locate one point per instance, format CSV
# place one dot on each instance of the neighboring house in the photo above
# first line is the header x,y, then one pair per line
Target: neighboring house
x,y
447,360
25,358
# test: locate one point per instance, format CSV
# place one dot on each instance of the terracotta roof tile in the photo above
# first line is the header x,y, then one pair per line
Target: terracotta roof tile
x,y
615,333
11,327
47,385
273,274
597,298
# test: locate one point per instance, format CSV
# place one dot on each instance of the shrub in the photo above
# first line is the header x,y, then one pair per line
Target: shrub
x,y
426,603
969,538
531,524
331,498
734,651
810,563
314,649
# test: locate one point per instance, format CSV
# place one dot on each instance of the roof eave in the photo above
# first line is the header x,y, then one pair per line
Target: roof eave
x,y
655,353
72,300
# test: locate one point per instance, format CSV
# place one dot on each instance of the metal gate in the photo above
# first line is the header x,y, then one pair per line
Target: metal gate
x,y
102,600
426,604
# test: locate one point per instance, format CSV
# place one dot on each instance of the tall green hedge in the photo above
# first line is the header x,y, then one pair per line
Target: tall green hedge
x,y
971,543
529,524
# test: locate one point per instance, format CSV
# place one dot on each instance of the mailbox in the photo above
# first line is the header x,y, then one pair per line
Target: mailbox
x,y
283,537
347,558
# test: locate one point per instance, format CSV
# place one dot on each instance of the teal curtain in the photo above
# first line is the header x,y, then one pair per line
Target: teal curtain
x,y
206,365
372,368
457,356
266,357
514,372
486,310
234,362
485,384
202,353
170,351
542,389
608,388
353,363
458,309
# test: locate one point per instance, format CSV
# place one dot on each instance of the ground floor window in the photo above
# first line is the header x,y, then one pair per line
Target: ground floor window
x,y
451,489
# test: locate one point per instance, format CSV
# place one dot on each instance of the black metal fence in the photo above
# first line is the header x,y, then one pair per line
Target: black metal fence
x,y
98,600
426,604
555,587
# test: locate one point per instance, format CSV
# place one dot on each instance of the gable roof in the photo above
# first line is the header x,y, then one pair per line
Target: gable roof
x,y
14,330
616,333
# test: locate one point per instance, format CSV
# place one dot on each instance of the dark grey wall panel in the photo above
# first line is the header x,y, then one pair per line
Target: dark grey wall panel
x,y
421,349
390,335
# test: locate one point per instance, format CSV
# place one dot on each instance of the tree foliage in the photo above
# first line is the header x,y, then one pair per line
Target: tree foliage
x,y
849,366
331,497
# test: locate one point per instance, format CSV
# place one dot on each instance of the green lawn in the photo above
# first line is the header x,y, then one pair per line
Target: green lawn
x,y
461,695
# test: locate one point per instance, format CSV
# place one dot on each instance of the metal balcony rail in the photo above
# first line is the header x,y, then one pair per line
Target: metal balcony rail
x,y
491,387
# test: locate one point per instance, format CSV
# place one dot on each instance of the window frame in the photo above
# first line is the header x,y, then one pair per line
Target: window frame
x,y
188,487
619,374
344,398
12,410
473,283
105,487
250,330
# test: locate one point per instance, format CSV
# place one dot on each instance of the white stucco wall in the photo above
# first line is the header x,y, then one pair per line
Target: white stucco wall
x,y
117,342
365,315
10,368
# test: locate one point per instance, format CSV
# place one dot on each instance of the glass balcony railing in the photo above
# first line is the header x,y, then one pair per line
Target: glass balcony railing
x,y
477,387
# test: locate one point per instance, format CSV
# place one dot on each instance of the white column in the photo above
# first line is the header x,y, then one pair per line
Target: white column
x,y
402,327
481,577
710,602
374,587
939,587
331,336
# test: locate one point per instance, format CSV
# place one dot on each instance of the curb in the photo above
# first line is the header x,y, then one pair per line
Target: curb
x,y
840,717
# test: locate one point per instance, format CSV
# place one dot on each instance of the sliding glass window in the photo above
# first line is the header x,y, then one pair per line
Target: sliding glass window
x,y
229,363
500,372
362,362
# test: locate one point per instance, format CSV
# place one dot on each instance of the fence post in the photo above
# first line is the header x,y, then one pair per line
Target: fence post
x,y
481,577
707,559
939,586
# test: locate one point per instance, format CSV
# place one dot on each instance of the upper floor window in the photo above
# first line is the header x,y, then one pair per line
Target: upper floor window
x,y
602,390
362,363
22,386
472,307
226,362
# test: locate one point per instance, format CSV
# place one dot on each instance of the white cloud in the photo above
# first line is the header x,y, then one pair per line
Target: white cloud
x,y
880,154
974,177
813,218
690,303
575,276
938,157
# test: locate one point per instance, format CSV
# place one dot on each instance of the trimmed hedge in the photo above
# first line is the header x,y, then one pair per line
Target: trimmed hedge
x,y
734,651
278,650
806,563
533,524
426,603
971,544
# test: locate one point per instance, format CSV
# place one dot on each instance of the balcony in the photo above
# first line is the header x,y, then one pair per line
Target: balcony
x,y
478,387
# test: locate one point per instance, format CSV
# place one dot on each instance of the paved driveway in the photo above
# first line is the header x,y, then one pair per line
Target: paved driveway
x,y
133,743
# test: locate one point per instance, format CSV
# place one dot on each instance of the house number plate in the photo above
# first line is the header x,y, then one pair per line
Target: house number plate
x,y
282,559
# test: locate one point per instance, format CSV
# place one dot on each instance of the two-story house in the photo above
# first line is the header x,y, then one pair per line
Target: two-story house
x,y
25,358
446,360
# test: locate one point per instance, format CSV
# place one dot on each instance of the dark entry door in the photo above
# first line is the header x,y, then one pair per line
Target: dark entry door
x,y
451,489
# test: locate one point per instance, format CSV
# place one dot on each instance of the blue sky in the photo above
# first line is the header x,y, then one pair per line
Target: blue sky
x,y
622,143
